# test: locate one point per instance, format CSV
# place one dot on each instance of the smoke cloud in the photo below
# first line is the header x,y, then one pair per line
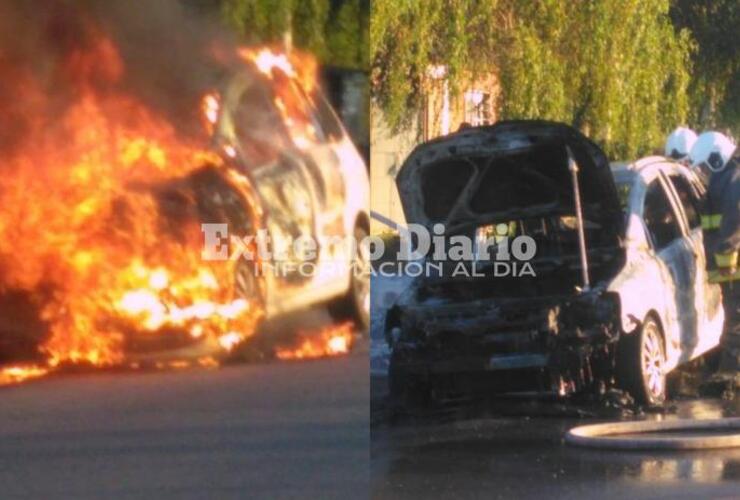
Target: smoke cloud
x,y
169,55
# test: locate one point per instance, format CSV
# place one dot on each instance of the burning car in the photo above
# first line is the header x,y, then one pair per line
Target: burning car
x,y
290,170
108,185
305,179
619,296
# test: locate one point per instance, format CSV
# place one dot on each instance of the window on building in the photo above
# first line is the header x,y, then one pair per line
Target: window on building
x,y
477,108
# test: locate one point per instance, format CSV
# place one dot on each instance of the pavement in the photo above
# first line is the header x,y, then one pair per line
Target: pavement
x,y
520,453
515,447
271,430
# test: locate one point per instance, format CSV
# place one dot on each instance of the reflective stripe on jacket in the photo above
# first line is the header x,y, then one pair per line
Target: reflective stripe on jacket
x,y
721,223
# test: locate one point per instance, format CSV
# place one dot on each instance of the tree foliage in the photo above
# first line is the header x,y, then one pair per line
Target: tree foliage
x,y
715,86
333,30
408,37
617,70
347,35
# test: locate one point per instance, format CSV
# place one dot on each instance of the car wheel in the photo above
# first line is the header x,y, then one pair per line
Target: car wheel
x,y
245,283
247,286
355,304
641,364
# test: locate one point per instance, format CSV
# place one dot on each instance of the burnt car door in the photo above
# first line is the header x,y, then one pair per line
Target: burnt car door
x,y
331,163
663,221
313,141
262,145
707,297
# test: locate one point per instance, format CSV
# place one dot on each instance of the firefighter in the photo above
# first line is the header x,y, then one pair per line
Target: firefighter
x,y
716,154
679,143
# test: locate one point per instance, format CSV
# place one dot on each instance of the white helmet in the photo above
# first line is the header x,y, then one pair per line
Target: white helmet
x,y
712,150
679,143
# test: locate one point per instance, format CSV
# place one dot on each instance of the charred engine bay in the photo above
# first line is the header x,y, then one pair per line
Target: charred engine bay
x,y
460,338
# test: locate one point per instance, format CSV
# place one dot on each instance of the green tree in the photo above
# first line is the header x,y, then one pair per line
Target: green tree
x,y
408,37
617,70
347,34
715,86
334,31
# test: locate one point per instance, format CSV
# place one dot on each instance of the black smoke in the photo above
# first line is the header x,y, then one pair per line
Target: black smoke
x,y
171,54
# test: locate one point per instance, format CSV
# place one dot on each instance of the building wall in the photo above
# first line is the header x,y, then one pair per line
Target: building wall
x,y
442,113
387,152
348,92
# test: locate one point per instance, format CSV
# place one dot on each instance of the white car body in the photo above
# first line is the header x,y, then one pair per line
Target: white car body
x,y
319,183
620,304
670,282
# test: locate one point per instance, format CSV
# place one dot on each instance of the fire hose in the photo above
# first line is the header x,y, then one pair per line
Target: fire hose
x,y
621,435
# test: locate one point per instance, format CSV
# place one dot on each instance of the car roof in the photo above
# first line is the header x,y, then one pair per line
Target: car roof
x,y
647,168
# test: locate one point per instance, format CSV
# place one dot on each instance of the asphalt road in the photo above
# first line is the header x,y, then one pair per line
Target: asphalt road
x,y
519,453
274,430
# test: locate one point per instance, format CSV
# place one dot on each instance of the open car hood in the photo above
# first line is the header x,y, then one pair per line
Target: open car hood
x,y
503,172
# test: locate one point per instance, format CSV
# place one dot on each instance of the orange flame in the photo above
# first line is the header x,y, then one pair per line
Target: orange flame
x,y
100,222
210,107
20,373
299,66
101,209
331,341
282,70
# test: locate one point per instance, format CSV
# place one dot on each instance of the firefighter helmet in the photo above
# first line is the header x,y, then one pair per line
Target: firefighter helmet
x,y
712,150
679,143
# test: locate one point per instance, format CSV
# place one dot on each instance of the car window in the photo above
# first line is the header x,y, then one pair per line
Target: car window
x,y
299,114
689,200
624,189
660,219
327,119
258,126
288,205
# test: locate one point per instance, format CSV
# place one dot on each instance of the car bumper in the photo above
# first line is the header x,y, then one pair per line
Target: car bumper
x,y
502,348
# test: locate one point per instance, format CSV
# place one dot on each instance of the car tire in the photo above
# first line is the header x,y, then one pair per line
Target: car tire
x,y
255,347
245,282
641,364
355,304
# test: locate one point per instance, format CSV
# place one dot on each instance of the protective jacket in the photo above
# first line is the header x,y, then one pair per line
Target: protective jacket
x,y
721,223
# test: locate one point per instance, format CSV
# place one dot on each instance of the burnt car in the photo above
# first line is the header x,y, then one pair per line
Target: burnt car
x,y
309,181
618,297
107,259
290,170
